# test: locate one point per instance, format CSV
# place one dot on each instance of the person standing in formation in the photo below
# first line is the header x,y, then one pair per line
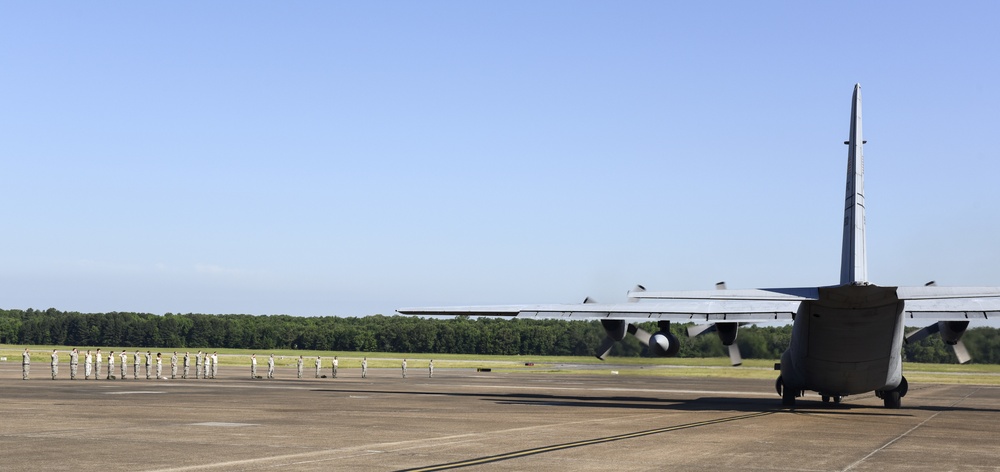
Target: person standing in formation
x,y
301,362
111,366
253,366
430,369
173,366
149,364
124,359
207,365
319,364
187,364
88,365
197,365
270,367
215,364
404,368
159,365
98,360
335,366
55,364
364,367
135,365
74,362
25,364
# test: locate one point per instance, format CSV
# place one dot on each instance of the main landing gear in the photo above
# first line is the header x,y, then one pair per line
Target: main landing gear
x,y
835,398
787,395
893,398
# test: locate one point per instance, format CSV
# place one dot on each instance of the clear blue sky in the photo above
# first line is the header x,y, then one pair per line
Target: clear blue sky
x,y
335,158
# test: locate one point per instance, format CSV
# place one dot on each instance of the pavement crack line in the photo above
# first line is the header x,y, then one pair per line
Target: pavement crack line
x,y
901,436
371,449
587,442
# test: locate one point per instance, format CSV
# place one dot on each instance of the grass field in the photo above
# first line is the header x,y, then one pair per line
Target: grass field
x,y
985,374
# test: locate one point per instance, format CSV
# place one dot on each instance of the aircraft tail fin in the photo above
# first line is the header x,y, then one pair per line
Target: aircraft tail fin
x,y
854,262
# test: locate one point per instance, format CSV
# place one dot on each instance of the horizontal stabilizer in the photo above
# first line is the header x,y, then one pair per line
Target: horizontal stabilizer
x,y
933,292
767,294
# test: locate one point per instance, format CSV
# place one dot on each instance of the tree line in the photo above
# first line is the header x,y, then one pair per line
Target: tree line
x,y
404,334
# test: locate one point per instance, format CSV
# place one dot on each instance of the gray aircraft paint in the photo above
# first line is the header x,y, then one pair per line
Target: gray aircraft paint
x,y
846,338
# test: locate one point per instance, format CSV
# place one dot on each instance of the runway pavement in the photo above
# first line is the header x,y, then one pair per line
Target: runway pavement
x,y
481,421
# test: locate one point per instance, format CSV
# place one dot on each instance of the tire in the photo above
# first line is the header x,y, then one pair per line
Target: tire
x,y
891,400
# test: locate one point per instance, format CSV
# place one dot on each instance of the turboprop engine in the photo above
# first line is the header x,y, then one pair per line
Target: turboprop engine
x,y
663,343
951,333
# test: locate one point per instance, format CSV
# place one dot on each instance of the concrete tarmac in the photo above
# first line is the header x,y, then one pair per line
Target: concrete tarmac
x,y
466,420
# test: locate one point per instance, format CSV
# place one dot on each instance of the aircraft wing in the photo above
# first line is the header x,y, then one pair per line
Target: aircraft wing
x,y
694,310
950,303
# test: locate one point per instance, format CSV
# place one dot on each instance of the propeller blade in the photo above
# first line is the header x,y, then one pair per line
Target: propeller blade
x,y
639,333
734,355
961,352
605,347
637,288
917,336
700,329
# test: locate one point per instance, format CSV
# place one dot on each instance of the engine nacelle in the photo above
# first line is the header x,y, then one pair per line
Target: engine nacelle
x,y
616,329
663,344
951,331
727,332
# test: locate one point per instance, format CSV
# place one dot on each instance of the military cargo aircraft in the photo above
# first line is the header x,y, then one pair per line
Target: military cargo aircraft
x,y
846,338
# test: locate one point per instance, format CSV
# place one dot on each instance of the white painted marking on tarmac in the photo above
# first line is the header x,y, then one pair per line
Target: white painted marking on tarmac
x,y
327,455
130,393
901,436
224,425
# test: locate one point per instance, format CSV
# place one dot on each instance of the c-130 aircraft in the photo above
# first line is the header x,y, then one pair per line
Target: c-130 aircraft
x,y
846,338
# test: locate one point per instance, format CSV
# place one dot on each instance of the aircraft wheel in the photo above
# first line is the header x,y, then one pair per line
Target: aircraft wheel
x,y
788,397
891,399
826,398
837,398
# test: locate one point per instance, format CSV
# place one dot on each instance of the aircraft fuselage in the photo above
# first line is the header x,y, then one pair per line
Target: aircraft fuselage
x,y
847,342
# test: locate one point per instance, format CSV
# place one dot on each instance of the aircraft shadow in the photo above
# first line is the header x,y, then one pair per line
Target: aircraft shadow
x,y
708,403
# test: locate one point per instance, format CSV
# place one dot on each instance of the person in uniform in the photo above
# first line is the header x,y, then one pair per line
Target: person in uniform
x,y
159,365
215,363
197,365
270,367
430,369
319,364
124,359
301,362
88,365
25,364
207,366
187,364
74,362
55,364
335,363
135,365
98,360
149,363
173,366
404,368
111,366
253,366
364,367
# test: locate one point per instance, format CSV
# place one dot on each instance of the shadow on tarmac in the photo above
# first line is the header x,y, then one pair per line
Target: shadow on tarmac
x,y
708,403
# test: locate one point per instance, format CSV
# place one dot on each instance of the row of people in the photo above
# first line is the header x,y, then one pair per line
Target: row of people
x,y
335,364
206,365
